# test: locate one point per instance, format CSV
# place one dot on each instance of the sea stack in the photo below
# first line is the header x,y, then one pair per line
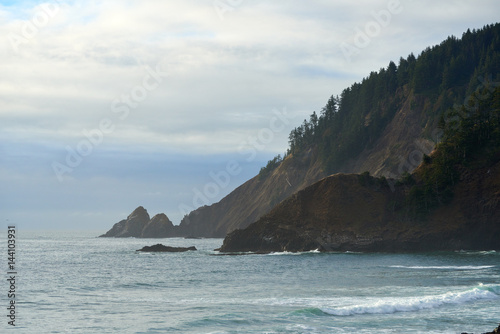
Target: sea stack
x,y
139,225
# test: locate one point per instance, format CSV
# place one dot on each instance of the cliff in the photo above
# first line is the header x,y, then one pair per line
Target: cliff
x,y
344,213
399,149
385,125
254,198
450,202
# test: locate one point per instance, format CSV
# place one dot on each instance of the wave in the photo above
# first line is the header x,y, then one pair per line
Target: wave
x,y
490,252
413,304
446,267
315,251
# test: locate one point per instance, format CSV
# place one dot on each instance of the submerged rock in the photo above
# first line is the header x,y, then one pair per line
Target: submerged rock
x,y
163,248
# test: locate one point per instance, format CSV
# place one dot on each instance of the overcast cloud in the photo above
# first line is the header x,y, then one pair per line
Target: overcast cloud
x,y
107,105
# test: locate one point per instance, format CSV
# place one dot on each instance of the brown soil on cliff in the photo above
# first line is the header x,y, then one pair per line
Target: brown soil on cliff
x,y
348,212
403,142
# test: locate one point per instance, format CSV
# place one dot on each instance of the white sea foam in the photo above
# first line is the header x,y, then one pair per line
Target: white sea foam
x,y
445,267
490,252
413,304
315,251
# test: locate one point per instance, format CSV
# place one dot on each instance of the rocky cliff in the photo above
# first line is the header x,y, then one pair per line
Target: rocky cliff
x,y
384,125
254,198
399,149
348,212
139,225
450,202
351,213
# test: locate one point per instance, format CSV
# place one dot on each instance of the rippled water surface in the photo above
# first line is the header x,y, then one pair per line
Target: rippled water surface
x,y
71,282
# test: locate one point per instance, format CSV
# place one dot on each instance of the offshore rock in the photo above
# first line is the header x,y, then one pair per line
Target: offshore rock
x,y
158,227
130,227
139,225
163,248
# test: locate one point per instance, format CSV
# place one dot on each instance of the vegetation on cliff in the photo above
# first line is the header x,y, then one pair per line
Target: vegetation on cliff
x,y
438,78
471,140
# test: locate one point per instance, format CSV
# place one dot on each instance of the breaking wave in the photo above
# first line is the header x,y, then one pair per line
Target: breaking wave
x,y
413,304
446,267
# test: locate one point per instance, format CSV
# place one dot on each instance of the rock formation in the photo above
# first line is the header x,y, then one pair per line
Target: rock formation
x,y
163,248
254,198
130,227
340,213
158,227
139,225
495,331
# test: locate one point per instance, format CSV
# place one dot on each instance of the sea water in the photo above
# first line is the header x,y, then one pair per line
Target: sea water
x,y
73,282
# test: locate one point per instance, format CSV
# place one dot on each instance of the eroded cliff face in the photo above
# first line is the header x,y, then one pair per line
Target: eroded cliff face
x,y
384,124
410,134
340,213
254,198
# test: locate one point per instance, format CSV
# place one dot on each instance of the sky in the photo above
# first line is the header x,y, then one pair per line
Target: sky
x,y
108,105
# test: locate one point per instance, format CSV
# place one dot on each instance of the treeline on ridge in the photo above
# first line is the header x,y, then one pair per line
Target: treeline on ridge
x,y
446,74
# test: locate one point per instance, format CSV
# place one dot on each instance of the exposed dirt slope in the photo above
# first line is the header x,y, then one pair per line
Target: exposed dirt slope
x,y
253,199
403,142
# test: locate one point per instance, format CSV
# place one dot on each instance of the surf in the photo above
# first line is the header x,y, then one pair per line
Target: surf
x,y
415,304
445,267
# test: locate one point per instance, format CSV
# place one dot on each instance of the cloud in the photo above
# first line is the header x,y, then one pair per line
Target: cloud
x,y
68,66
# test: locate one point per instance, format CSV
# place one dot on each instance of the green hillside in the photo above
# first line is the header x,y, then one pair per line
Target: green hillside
x,y
440,77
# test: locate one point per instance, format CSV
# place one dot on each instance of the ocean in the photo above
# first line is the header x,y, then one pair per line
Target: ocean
x,y
73,282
